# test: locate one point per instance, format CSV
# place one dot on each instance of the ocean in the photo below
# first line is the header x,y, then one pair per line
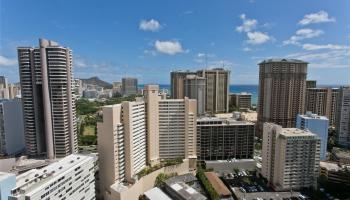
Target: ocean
x,y
253,89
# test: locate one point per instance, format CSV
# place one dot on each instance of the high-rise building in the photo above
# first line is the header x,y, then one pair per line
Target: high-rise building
x,y
290,157
322,101
177,80
129,86
241,100
121,143
343,117
177,128
217,89
281,91
152,112
72,177
135,136
194,88
311,84
222,139
11,127
317,125
48,100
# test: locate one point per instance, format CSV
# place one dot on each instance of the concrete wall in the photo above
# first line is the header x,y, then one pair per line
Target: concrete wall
x,y
145,183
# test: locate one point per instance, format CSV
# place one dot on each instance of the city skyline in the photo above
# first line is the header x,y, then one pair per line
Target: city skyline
x,y
151,41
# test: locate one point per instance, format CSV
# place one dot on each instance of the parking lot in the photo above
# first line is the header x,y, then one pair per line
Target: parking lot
x,y
245,185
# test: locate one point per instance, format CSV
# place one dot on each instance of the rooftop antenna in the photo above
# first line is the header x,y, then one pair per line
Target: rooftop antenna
x,y
206,61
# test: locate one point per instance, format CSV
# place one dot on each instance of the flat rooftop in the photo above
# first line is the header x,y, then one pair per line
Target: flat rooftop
x,y
289,132
186,192
156,194
35,178
313,116
224,121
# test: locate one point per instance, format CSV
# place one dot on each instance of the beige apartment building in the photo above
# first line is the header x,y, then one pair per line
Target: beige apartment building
x,y
121,143
282,85
290,157
323,102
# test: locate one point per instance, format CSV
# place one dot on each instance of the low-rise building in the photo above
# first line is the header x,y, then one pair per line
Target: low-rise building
x,y
156,194
218,185
335,172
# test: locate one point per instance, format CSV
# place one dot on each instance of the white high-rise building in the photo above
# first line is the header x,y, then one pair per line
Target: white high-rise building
x,y
48,100
72,177
290,157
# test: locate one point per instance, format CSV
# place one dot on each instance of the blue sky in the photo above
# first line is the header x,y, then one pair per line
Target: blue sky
x,y
148,39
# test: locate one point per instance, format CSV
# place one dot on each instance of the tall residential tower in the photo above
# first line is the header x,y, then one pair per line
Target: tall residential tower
x,y
282,85
48,100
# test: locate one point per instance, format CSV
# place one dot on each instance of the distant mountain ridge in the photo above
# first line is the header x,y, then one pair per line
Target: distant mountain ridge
x,y
97,81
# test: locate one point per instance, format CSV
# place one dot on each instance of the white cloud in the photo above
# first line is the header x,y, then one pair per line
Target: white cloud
x,y
246,49
150,25
5,62
319,17
257,37
302,34
247,24
79,62
168,47
311,47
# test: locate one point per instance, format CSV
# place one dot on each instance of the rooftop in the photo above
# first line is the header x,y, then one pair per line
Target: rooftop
x,y
217,184
34,178
289,132
223,121
332,166
156,194
310,115
282,60
186,192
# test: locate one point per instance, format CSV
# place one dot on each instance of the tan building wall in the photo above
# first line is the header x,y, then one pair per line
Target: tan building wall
x,y
108,146
152,109
146,183
290,157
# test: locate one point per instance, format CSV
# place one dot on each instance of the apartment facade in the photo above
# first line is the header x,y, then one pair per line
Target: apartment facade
x,y
317,125
11,127
282,84
323,102
177,81
343,117
72,177
177,128
129,86
195,88
290,157
222,139
217,89
48,100
241,100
